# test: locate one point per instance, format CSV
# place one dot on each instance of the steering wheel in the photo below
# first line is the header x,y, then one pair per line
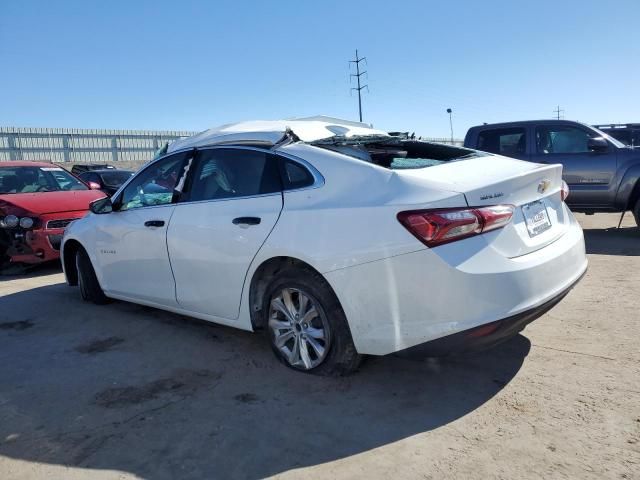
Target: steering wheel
x,y
42,188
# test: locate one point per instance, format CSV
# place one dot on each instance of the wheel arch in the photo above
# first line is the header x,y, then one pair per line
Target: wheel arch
x,y
261,278
629,190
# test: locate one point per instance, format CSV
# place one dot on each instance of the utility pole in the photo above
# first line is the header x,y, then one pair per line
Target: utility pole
x,y
358,74
450,112
557,111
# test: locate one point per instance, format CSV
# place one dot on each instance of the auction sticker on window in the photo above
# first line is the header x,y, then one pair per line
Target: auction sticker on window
x,y
536,217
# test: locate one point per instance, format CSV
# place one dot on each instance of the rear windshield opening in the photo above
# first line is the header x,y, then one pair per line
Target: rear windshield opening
x,y
404,154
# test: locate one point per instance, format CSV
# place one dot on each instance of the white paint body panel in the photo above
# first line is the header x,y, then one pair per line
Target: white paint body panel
x,y
402,301
271,131
210,255
132,259
395,291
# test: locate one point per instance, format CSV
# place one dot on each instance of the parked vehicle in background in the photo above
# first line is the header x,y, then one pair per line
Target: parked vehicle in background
x,y
603,174
77,169
627,133
336,239
109,180
37,203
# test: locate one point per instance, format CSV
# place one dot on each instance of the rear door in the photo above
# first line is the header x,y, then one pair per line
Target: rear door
x,y
588,174
234,200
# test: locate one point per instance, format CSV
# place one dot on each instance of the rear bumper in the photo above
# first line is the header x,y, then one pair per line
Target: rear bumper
x,y
485,336
412,299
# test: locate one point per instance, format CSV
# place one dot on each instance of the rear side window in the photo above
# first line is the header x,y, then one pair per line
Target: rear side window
x,y
230,173
296,175
503,141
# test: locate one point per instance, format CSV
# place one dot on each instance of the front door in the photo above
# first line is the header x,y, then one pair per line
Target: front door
x,y
131,242
589,174
233,203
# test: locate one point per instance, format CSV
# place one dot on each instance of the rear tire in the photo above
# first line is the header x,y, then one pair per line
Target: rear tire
x,y
90,289
306,326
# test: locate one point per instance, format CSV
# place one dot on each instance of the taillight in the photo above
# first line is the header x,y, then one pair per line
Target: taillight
x,y
436,227
564,191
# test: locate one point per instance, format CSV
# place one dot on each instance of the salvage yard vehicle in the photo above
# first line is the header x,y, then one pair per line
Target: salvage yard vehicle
x,y
335,239
108,180
37,202
603,174
79,168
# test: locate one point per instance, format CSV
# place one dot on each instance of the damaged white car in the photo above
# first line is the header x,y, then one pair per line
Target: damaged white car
x,y
335,239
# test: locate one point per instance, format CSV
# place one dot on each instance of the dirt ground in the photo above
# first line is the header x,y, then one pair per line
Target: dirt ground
x,y
123,391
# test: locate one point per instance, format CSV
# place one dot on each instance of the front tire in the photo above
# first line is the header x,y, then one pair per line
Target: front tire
x,y
90,289
306,326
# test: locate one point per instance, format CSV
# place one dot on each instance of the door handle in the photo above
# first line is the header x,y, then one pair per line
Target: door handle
x,y
247,221
154,223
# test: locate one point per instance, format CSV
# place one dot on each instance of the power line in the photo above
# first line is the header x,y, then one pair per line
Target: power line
x,y
358,74
558,111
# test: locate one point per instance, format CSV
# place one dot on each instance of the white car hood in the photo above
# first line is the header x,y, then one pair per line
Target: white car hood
x,y
272,131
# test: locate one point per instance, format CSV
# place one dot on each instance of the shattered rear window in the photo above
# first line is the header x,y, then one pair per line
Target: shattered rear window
x,y
397,153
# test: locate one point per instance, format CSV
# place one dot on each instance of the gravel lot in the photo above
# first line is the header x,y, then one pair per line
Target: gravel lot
x,y
124,391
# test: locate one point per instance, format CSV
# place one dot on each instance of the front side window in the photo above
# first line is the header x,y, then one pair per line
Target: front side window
x,y
562,139
230,173
37,179
155,185
503,141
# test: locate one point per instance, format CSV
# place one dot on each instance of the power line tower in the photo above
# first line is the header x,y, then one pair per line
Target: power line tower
x,y
358,74
558,111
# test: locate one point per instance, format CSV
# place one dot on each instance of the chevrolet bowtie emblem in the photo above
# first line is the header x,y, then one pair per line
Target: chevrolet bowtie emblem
x,y
543,185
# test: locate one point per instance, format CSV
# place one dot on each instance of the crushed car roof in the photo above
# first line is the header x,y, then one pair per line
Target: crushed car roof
x,y
271,132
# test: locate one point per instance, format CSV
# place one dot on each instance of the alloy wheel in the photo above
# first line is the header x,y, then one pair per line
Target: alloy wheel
x,y
299,328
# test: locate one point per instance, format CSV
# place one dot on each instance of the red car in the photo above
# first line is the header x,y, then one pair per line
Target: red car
x,y
37,202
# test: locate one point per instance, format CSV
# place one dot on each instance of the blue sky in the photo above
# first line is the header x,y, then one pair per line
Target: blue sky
x,y
192,65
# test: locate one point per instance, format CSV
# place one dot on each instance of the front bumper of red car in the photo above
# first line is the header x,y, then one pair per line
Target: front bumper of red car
x,y
38,244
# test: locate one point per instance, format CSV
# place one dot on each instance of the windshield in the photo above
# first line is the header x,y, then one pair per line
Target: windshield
x,y
115,179
399,154
37,179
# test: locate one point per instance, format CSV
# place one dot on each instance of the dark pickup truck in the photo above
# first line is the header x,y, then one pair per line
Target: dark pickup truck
x,y
602,173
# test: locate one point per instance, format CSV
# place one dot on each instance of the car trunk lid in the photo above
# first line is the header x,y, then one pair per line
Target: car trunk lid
x,y
539,217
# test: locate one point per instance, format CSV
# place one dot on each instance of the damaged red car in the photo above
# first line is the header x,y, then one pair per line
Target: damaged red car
x,y
37,202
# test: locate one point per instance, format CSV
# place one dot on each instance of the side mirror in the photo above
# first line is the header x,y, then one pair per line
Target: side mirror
x,y
598,145
94,186
101,206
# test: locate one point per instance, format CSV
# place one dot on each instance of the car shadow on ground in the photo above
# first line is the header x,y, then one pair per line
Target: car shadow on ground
x,y
130,388
613,241
12,272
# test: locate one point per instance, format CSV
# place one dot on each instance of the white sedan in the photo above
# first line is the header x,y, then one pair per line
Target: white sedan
x,y
335,239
